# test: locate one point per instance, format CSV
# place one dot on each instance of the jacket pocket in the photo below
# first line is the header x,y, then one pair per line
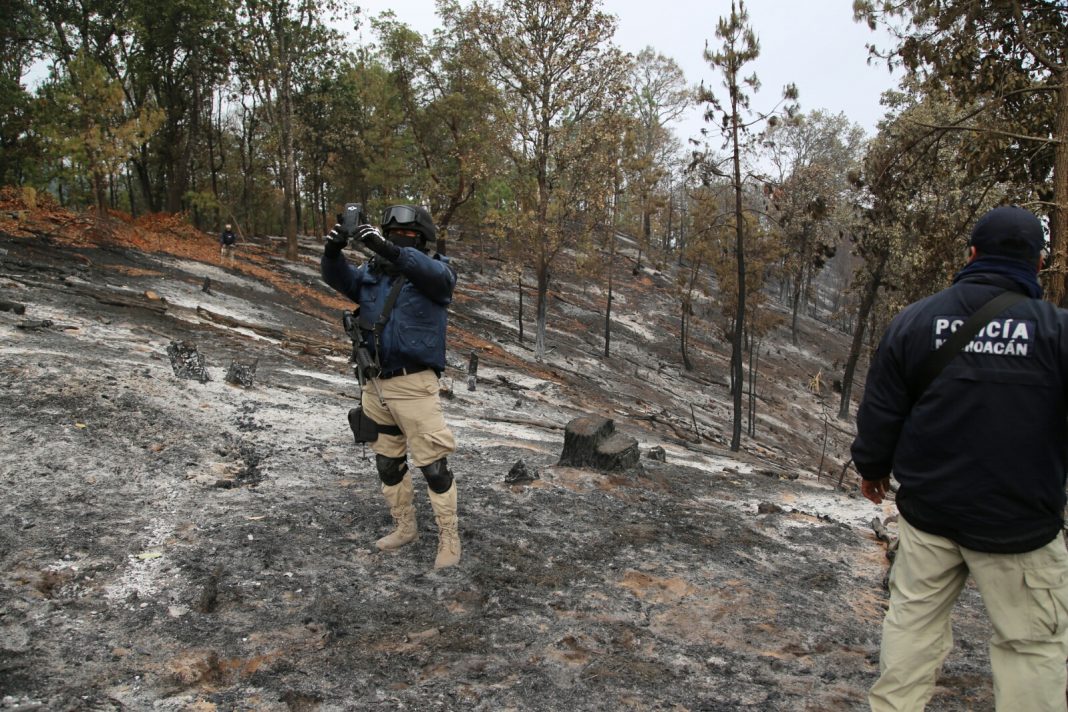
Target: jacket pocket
x,y
416,338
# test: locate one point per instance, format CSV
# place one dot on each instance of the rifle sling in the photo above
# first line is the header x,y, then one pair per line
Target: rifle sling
x,y
383,318
387,308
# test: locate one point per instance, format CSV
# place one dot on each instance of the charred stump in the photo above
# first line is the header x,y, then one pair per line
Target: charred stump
x,y
472,371
521,473
592,441
15,307
242,374
187,361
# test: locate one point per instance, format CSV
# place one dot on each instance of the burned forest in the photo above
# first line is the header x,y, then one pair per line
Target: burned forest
x,y
186,523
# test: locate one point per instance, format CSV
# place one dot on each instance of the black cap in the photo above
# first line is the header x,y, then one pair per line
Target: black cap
x,y
1009,231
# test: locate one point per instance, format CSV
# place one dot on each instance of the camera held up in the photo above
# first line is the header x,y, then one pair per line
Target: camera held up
x,y
351,218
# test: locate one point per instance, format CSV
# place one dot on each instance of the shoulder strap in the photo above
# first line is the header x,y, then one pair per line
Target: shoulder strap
x,y
938,359
387,308
383,318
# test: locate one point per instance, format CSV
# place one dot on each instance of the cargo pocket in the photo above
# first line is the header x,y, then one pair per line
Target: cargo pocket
x,y
428,447
1048,593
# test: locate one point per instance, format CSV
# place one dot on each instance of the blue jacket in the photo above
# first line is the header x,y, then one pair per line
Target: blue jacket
x,y
415,333
980,456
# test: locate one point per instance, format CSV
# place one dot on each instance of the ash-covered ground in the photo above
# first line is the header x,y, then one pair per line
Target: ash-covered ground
x,y
173,544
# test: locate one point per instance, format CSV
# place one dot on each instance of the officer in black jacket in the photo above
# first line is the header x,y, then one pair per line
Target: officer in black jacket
x,y
980,459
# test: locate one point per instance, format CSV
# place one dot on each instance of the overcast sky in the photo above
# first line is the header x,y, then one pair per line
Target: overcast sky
x,y
814,44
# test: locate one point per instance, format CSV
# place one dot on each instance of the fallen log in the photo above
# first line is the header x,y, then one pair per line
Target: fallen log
x,y
509,384
119,299
524,421
287,337
686,436
268,331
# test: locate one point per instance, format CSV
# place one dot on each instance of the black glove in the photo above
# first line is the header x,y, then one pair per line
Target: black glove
x,y
335,242
373,240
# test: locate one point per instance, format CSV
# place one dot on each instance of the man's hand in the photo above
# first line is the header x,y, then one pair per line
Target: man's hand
x,y
875,490
335,241
373,240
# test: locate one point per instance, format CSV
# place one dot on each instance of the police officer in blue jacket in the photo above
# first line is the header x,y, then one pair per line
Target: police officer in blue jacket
x,y
980,458
402,396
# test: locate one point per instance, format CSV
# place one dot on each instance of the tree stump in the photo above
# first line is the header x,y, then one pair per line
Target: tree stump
x,y
15,307
592,441
187,361
242,374
472,371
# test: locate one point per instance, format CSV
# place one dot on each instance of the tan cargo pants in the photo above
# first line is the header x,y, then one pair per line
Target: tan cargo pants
x,y
413,404
1026,597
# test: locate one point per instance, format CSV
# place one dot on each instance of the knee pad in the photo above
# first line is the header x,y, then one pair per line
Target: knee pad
x,y
391,470
438,477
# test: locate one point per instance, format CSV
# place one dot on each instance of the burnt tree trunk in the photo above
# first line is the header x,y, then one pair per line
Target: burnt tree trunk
x,y
520,287
472,371
592,441
863,314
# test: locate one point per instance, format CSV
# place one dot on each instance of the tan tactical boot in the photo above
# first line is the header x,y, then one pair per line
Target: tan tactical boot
x,y
400,498
448,530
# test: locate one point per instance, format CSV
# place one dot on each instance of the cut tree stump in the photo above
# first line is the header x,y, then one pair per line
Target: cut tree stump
x,y
15,307
592,441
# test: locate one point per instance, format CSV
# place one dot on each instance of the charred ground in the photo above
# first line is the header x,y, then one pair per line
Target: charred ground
x,y
173,544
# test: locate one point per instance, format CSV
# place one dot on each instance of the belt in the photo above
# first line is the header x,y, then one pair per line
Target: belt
x,y
403,372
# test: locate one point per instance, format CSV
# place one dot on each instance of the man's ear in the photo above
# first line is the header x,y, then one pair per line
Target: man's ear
x,y
972,253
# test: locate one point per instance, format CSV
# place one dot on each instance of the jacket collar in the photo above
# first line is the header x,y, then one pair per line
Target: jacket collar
x,y
1017,275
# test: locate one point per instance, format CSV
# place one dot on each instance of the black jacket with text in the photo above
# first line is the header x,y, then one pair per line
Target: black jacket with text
x,y
980,456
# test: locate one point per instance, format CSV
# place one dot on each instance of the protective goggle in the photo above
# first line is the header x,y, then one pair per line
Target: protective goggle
x,y
400,214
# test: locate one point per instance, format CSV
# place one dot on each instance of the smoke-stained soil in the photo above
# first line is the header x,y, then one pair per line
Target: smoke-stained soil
x,y
173,544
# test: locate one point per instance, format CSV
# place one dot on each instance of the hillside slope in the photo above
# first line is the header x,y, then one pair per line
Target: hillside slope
x,y
177,544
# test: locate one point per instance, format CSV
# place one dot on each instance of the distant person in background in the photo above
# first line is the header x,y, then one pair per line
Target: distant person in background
x,y
227,240
980,458
402,394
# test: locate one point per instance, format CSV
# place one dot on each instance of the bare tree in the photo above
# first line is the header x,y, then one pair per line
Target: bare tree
x,y
561,75
739,48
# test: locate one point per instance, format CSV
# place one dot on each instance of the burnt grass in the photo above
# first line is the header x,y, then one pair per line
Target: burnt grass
x,y
171,544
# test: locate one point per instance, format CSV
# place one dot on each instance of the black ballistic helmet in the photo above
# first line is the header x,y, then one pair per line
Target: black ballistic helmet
x,y
410,217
